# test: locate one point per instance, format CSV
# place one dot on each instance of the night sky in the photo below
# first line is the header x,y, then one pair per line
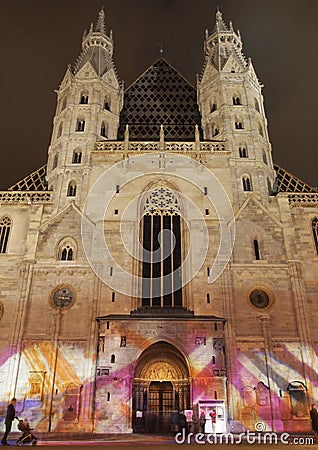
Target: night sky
x,y
39,39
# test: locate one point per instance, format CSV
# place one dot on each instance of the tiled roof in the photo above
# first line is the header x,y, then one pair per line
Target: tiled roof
x,y
34,182
286,182
160,96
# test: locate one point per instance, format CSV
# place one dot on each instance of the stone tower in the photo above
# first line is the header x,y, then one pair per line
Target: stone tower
x,y
231,104
89,101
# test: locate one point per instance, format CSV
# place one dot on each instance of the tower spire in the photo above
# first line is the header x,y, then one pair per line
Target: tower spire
x,y
97,48
231,106
100,25
219,22
222,43
89,104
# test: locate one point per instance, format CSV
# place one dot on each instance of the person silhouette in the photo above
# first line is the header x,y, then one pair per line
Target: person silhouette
x,y
10,416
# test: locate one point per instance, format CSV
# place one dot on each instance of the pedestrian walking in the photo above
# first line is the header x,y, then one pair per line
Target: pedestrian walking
x,y
10,416
314,420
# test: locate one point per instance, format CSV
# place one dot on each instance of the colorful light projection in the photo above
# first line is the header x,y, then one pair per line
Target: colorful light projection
x,y
277,394
287,388
49,383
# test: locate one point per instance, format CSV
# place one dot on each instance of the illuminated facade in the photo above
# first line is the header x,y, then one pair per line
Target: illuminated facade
x,y
195,324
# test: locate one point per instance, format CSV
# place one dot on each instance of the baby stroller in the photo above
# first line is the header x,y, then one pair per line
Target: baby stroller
x,y
26,436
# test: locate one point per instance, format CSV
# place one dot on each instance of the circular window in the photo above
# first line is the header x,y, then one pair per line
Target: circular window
x,y
259,298
63,298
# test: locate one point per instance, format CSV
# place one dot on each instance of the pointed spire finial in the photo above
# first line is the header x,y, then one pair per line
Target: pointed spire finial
x,y
197,133
161,48
161,138
220,26
127,132
126,141
197,138
218,14
100,25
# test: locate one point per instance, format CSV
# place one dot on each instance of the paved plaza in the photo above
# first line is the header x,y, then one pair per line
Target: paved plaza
x,y
134,441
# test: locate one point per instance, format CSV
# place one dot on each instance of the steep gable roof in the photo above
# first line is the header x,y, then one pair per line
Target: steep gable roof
x,y
160,96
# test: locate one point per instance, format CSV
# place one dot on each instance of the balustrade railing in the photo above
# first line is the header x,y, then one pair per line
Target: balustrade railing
x,y
27,197
303,199
173,147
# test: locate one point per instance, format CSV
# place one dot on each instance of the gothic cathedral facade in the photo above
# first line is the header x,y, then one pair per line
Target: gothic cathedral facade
x,y
160,261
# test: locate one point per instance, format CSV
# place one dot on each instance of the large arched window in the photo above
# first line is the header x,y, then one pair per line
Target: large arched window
x,y
5,228
161,267
314,225
66,250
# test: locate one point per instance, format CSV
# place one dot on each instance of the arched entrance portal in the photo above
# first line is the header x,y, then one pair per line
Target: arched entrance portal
x,y
161,387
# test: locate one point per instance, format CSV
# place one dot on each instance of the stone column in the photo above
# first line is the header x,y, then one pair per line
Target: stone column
x,y
87,413
230,338
57,321
268,350
299,301
26,274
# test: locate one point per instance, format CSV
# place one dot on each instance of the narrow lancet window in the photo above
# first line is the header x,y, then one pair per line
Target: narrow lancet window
x,y
71,191
315,232
80,125
256,250
247,185
5,228
77,157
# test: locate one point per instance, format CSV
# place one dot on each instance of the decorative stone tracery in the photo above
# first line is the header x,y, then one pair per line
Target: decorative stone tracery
x,y
161,201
